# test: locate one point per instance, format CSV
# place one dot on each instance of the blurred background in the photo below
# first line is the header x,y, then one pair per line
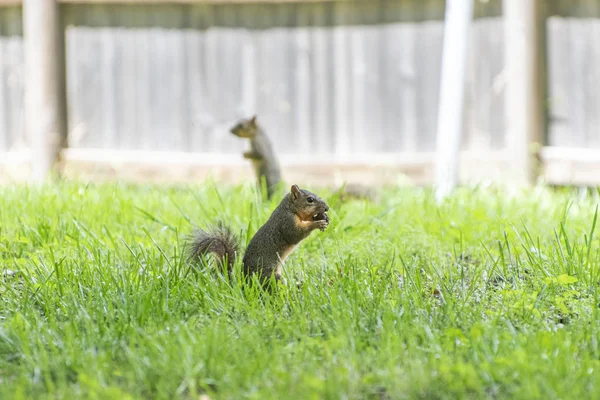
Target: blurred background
x,y
346,90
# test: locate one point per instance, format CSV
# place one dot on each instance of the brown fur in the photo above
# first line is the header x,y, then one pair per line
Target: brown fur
x,y
219,241
261,154
289,224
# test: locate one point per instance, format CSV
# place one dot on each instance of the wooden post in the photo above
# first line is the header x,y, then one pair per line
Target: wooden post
x,y
45,92
525,74
459,14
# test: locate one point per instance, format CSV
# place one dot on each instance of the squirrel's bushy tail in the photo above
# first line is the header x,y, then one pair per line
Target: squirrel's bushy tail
x,y
219,240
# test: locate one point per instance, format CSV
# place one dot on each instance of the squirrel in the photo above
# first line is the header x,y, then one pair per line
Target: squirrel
x,y
261,153
299,213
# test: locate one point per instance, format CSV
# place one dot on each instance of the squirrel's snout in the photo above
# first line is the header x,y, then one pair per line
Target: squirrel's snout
x,y
326,208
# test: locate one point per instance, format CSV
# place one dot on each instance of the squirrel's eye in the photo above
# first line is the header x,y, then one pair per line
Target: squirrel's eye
x,y
310,199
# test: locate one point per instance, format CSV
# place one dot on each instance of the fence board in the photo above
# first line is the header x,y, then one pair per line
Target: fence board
x,y
12,65
322,78
591,87
558,83
341,90
333,78
4,107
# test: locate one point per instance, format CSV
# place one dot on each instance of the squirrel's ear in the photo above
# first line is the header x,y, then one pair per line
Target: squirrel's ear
x,y
295,191
253,120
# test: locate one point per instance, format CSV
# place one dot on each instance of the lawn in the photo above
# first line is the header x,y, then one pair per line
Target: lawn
x,y
488,294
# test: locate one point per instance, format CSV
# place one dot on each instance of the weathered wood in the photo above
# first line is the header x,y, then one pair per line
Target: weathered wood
x,y
360,137
370,170
367,77
198,119
126,85
110,48
571,166
11,78
408,121
145,106
322,80
562,166
560,131
162,2
341,89
578,56
300,75
428,65
45,97
4,106
593,77
400,46
524,103
492,72
483,124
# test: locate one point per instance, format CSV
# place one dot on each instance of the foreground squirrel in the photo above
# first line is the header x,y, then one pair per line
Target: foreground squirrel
x,y
299,213
261,153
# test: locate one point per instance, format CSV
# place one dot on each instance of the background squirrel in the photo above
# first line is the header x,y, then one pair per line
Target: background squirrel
x,y
299,213
261,153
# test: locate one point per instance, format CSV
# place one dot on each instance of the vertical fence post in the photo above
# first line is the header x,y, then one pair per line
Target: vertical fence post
x,y
459,14
525,83
45,92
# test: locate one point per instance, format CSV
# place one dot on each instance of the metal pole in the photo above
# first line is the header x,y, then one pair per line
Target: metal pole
x,y
452,88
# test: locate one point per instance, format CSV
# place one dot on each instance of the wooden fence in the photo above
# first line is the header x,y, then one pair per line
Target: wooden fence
x,y
332,81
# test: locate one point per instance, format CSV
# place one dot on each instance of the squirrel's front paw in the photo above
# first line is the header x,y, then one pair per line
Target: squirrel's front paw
x,y
321,225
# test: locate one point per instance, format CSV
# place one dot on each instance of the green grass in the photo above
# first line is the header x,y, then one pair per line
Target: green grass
x,y
486,295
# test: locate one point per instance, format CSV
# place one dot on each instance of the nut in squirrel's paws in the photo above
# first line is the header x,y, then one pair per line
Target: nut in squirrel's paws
x,y
323,218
